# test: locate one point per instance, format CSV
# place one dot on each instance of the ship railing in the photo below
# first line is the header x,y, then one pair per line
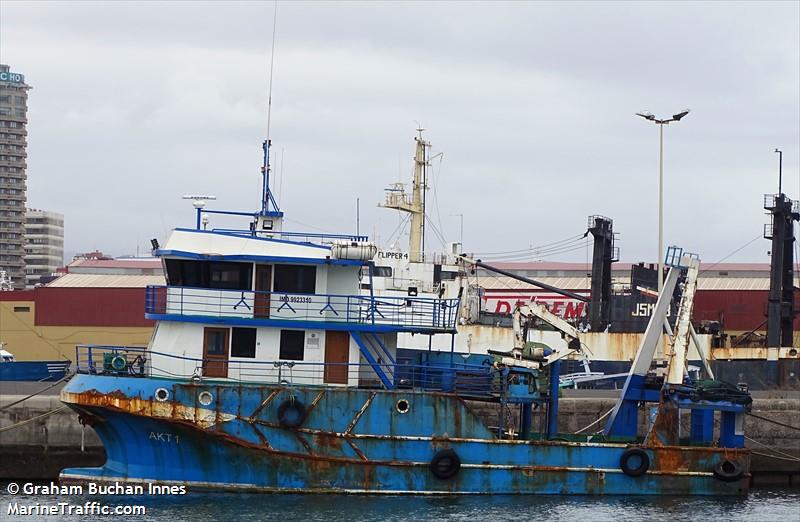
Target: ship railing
x,y
305,237
101,358
204,214
422,313
121,361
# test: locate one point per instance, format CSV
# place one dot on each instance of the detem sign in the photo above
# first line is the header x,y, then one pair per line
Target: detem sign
x,y
8,76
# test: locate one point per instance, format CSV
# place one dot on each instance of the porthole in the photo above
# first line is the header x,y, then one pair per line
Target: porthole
x,y
205,398
162,394
402,406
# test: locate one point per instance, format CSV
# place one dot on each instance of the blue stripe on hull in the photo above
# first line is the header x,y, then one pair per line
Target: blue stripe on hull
x,y
33,370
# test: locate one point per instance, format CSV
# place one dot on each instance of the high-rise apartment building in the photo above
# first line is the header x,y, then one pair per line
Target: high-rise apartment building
x,y
13,145
44,247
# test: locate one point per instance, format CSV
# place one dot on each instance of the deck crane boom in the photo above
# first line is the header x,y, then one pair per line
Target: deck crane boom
x,y
480,264
523,318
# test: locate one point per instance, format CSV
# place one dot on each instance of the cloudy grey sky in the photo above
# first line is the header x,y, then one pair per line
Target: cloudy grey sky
x,y
532,104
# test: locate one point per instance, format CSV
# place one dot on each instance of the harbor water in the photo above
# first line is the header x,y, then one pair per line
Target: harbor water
x,y
763,504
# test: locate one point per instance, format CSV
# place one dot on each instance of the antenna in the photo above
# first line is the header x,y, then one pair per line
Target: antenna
x,y
199,201
266,194
271,64
780,170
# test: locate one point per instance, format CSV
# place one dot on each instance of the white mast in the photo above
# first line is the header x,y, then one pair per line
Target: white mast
x,y
414,203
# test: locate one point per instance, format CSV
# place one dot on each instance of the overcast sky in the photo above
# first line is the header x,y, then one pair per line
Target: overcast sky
x,y
531,104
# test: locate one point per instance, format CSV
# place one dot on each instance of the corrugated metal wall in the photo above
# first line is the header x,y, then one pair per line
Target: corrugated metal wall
x,y
736,310
90,307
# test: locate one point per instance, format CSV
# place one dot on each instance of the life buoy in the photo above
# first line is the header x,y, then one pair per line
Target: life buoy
x,y
729,471
445,464
118,363
291,413
640,460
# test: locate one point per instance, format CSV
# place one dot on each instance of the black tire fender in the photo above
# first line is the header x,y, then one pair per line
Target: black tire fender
x,y
729,471
641,469
291,413
445,464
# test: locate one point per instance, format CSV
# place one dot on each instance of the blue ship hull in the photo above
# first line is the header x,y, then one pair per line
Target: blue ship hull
x,y
227,436
38,371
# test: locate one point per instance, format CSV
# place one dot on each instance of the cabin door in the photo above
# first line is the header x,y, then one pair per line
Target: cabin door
x,y
215,352
263,285
337,355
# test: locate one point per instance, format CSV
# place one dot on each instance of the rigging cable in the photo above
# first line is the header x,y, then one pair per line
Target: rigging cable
x,y
785,456
7,406
436,196
28,421
767,419
578,245
399,229
729,255
527,250
437,232
539,252
606,414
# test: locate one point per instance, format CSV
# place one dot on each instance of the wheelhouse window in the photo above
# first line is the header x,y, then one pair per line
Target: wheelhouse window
x,y
209,274
295,279
230,276
292,345
243,342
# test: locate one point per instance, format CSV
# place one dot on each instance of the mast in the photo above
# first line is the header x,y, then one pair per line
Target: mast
x,y
398,199
269,218
780,302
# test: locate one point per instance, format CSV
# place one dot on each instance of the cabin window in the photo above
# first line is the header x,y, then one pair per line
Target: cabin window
x,y
295,279
243,342
207,274
449,276
22,308
216,341
377,271
382,271
292,345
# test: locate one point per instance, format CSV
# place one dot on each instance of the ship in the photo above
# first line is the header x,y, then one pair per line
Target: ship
x,y
271,370
37,371
610,302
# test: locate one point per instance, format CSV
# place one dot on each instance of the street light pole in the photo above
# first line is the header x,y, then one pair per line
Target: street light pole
x,y
660,207
661,122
